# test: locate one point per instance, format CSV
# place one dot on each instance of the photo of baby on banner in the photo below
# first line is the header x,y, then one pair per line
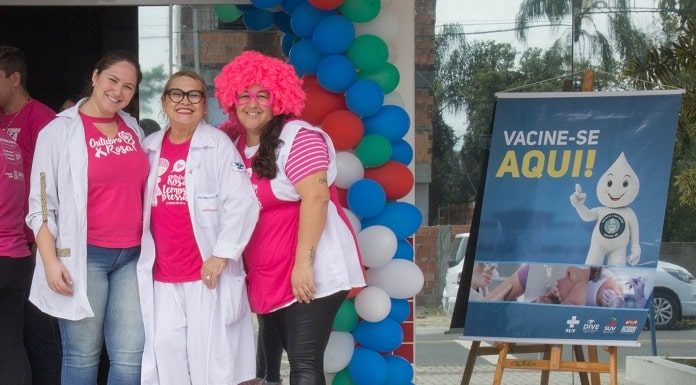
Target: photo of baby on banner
x,y
564,285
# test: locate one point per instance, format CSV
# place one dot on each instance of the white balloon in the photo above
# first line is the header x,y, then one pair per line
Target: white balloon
x,y
328,377
393,53
399,278
372,304
348,169
338,351
385,25
354,221
393,98
386,3
377,245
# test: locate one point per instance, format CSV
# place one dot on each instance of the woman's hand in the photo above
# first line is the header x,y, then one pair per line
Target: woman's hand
x,y
302,280
58,277
211,270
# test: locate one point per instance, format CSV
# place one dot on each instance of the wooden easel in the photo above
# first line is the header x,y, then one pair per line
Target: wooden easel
x,y
551,361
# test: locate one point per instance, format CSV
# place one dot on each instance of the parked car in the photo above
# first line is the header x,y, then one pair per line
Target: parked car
x,y
674,296
674,293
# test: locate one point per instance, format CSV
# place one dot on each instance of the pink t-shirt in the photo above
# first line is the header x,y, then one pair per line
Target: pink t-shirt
x,y
13,243
270,254
177,257
117,169
23,127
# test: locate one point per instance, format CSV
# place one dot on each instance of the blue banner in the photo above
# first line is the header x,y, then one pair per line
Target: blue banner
x,y
571,217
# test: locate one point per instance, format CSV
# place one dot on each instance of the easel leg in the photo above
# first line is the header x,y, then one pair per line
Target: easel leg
x,y
502,356
592,353
545,374
470,361
580,356
613,364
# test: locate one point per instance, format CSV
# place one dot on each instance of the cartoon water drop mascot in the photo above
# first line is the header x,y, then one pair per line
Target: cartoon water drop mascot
x,y
616,222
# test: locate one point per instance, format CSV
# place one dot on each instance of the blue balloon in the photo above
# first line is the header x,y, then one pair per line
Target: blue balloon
x,y
401,217
364,98
333,34
400,309
290,5
336,73
366,198
383,336
367,367
286,43
282,22
258,20
266,3
399,371
390,121
304,18
305,57
244,8
402,152
404,250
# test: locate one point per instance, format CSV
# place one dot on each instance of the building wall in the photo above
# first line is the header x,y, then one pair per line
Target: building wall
x,y
424,42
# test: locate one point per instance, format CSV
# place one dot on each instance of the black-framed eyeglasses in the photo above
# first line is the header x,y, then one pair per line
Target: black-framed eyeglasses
x,y
177,95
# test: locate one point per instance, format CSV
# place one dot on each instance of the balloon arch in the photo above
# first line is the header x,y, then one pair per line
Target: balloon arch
x,y
341,49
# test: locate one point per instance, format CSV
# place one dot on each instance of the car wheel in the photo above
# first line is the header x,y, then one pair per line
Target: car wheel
x,y
666,309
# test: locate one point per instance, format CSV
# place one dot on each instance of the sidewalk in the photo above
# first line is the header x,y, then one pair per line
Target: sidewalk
x,y
483,375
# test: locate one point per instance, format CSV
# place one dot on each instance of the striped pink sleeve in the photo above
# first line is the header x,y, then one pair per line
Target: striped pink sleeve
x,y
309,154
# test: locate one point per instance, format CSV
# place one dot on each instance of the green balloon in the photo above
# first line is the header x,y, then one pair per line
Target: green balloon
x,y
373,150
342,378
360,11
386,76
346,318
368,53
226,12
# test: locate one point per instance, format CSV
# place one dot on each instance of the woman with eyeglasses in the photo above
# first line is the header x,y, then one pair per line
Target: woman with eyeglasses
x,y
199,214
302,258
85,207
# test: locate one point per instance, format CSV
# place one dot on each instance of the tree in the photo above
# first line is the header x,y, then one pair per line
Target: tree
x,y
468,76
674,64
151,87
627,41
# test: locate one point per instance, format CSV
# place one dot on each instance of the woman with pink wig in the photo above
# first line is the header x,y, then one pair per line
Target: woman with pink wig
x,y
302,258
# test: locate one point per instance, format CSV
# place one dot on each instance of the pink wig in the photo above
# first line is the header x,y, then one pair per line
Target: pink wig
x,y
253,68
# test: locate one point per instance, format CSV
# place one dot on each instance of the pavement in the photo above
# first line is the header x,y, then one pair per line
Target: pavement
x,y
430,331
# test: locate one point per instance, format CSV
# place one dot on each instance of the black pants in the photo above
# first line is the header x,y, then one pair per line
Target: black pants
x,y
15,281
42,341
304,330
269,352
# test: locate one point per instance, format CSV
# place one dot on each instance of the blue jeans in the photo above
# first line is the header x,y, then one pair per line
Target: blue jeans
x,y
112,290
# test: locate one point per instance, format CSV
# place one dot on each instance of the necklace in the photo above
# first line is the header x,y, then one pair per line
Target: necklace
x,y
14,116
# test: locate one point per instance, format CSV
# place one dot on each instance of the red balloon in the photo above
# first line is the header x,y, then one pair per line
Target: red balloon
x,y
394,177
320,102
344,127
309,81
326,5
342,196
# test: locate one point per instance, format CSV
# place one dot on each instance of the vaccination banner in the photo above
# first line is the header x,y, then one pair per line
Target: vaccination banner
x,y
571,217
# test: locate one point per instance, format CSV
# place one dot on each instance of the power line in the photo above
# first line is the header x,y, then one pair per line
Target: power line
x,y
501,30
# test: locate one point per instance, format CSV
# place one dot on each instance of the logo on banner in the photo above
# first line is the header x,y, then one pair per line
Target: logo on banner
x,y
572,322
591,326
611,326
630,327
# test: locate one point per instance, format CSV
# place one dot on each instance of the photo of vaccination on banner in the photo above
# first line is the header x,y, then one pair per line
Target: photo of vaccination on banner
x,y
571,216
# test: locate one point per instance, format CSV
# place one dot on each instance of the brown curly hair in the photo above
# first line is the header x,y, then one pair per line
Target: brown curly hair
x,y
265,163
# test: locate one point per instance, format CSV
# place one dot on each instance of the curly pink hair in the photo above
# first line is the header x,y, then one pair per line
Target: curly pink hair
x,y
254,68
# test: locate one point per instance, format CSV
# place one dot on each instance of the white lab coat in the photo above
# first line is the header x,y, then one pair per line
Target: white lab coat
x,y
61,155
224,211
